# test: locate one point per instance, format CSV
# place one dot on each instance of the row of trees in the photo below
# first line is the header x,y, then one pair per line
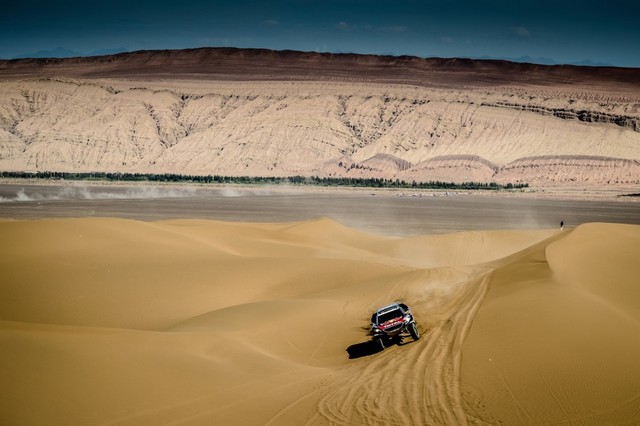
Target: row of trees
x,y
272,180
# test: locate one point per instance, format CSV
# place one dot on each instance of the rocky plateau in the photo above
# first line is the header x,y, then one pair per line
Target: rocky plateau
x,y
246,112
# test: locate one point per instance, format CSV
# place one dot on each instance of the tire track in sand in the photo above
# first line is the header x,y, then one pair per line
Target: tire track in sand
x,y
417,384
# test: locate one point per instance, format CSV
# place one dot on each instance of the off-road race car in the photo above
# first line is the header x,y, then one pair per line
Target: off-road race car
x,y
392,321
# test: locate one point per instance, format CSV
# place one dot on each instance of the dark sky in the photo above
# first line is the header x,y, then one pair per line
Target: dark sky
x,y
603,31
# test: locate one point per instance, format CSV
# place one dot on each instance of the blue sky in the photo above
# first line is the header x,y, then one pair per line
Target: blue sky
x,y
564,31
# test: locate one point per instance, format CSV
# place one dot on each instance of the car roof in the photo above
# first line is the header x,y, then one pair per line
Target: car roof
x,y
389,307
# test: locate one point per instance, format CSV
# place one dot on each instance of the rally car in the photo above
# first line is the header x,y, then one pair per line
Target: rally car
x,y
393,321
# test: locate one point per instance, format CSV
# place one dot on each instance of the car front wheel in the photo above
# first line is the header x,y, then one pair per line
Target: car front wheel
x,y
413,330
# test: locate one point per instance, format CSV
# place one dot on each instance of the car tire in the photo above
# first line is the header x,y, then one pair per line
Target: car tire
x,y
379,343
413,330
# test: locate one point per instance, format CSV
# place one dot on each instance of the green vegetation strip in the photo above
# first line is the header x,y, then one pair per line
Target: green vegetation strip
x,y
260,180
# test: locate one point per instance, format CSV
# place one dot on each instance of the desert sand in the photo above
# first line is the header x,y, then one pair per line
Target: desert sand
x,y
115,321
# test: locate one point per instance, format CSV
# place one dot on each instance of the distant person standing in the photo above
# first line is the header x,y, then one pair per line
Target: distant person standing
x,y
561,225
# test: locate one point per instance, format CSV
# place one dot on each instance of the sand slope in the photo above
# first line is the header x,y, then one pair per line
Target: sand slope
x,y
200,322
555,341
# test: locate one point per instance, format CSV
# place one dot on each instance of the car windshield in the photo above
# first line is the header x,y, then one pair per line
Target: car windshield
x,y
382,318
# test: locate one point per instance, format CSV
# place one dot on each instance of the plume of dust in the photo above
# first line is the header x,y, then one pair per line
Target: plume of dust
x,y
85,193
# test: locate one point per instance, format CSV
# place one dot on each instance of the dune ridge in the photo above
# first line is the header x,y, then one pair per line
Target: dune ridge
x,y
193,321
567,295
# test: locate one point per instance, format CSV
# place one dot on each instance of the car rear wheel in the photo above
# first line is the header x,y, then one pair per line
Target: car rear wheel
x,y
413,330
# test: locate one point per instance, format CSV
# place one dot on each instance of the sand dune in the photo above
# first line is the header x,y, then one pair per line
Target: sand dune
x,y
199,322
569,311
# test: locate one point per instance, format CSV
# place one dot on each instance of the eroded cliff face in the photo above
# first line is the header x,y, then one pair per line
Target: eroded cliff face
x,y
327,129
622,120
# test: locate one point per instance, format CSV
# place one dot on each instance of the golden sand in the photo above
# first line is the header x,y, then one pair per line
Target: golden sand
x,y
111,321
